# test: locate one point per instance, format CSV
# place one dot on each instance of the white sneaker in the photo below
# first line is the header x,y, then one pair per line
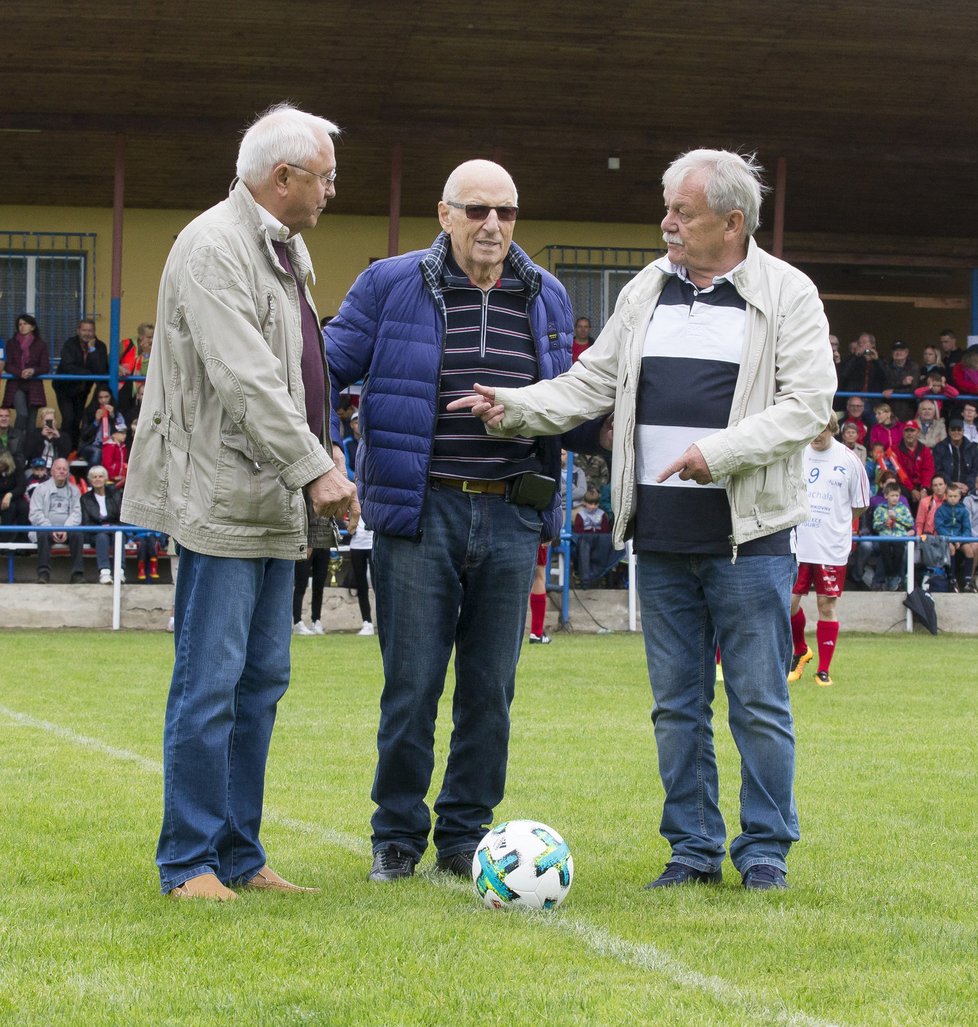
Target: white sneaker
x,y
300,629
317,628
539,639
105,576
367,629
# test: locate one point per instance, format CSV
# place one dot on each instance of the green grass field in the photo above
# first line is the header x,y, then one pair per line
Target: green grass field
x,y
879,925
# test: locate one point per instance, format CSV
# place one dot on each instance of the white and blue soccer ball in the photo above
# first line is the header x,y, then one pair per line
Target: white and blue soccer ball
x,y
522,863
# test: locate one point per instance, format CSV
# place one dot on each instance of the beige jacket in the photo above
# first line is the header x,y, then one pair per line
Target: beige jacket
x,y
222,448
782,399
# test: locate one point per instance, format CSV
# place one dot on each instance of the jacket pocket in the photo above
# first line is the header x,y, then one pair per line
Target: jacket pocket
x,y
247,492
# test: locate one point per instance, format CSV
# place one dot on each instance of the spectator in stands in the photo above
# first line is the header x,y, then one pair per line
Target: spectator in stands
x,y
133,361
27,358
901,376
936,389
953,522
48,443
838,492
12,438
592,537
964,374
956,458
345,409
148,546
595,468
101,505
578,482
316,566
538,597
848,437
582,338
950,353
887,429
57,502
13,486
932,428
931,362
969,416
891,520
881,461
836,355
916,463
84,354
970,502
856,415
105,428
37,472
864,371
930,504
361,560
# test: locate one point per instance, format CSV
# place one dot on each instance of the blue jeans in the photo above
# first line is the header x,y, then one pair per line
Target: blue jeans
x,y
689,605
232,630
465,582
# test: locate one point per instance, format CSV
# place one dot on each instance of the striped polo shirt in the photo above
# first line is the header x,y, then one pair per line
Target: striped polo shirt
x,y
690,365
488,340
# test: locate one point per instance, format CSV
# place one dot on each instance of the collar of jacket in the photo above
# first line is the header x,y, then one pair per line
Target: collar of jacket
x,y
433,263
244,206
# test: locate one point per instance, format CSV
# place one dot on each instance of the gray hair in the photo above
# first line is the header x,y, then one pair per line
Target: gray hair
x,y
282,134
732,182
94,468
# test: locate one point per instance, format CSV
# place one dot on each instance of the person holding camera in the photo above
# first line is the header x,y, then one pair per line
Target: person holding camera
x,y
83,354
863,371
49,443
457,516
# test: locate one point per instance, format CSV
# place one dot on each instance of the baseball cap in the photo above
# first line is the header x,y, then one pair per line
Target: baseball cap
x,y
955,422
907,425
39,461
900,345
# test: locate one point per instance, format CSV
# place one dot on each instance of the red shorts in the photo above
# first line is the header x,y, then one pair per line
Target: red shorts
x,y
543,553
829,580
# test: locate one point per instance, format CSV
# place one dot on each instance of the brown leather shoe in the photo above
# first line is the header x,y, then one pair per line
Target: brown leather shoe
x,y
267,879
205,886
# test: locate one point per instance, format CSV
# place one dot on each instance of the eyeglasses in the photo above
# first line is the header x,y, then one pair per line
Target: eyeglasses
x,y
329,178
480,211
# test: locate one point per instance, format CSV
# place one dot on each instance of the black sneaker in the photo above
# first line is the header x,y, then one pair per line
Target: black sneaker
x,y
459,863
679,873
77,578
43,576
764,877
391,864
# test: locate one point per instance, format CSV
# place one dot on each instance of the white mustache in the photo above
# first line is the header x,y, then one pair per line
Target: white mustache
x,y
670,238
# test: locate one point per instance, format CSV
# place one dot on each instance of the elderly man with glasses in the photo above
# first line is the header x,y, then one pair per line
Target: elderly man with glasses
x,y
457,515
233,442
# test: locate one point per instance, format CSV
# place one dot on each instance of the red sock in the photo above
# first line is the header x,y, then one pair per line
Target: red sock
x,y
826,631
798,632
538,610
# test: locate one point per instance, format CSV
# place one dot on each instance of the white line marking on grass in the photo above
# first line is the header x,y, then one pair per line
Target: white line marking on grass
x,y
600,941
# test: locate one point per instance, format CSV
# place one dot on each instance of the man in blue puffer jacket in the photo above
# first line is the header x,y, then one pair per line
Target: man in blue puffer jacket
x,y
457,515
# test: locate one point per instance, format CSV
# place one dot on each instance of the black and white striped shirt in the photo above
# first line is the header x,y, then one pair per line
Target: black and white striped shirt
x,y
690,365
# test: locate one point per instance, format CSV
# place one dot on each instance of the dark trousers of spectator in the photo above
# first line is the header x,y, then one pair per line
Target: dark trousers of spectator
x,y
74,547
16,513
72,411
26,414
360,561
894,558
318,566
594,556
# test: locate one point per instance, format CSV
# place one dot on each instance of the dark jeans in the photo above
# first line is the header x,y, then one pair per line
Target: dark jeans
x,y
74,547
360,561
464,584
318,566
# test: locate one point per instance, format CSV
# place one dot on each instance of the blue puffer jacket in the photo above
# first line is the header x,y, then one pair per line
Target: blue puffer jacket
x,y
390,332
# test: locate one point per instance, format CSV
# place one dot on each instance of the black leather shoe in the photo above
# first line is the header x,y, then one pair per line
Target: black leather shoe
x,y
459,863
391,864
679,873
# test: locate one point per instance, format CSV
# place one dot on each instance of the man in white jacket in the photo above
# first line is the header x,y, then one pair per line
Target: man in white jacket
x,y
718,368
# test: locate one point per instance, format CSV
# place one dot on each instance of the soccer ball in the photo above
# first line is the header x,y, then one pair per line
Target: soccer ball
x,y
522,863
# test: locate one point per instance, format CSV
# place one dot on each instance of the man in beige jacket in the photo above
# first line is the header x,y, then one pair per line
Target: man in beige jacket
x,y
233,439
717,365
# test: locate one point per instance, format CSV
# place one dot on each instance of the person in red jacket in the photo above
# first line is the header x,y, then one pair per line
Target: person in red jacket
x,y
916,462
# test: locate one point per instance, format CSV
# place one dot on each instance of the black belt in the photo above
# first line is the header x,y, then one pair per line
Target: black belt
x,y
475,485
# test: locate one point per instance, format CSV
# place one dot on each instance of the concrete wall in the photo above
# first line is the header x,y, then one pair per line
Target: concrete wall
x,y
148,607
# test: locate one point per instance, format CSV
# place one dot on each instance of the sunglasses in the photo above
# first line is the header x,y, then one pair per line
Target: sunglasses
x,y
480,211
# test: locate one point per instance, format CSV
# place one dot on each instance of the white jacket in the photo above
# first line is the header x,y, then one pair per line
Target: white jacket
x,y
782,399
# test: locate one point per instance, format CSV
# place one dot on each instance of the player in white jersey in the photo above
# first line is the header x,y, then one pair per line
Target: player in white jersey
x,y
838,491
